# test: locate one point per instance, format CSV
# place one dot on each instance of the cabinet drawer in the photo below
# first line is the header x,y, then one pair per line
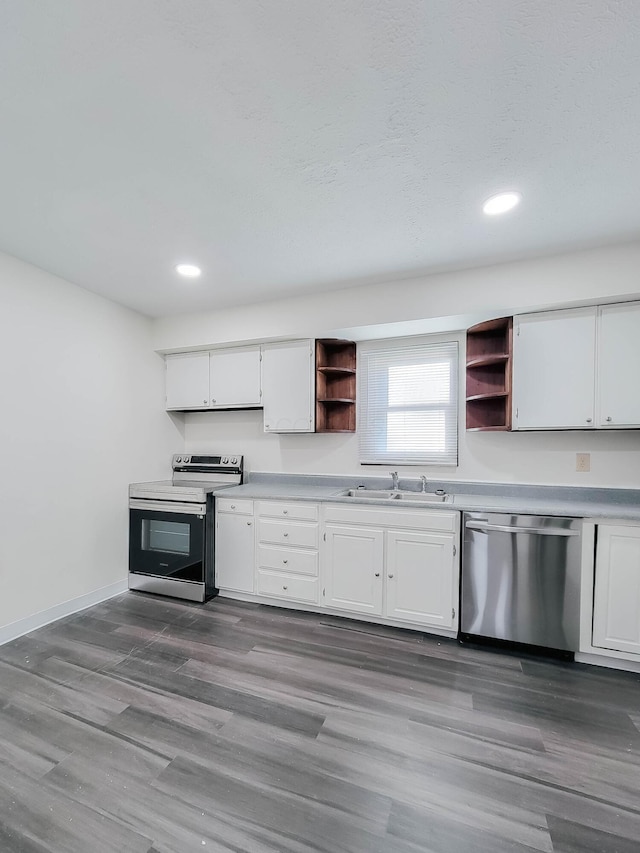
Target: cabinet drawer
x,y
238,507
281,509
287,533
288,560
281,585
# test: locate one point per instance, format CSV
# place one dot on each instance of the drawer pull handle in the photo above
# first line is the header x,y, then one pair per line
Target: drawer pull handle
x,y
233,506
284,587
285,562
377,574
248,524
285,535
390,576
285,511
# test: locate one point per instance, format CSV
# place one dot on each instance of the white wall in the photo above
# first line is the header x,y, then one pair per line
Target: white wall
x,y
542,458
82,416
609,274
605,274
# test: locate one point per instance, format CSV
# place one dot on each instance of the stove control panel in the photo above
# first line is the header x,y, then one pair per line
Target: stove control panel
x,y
203,464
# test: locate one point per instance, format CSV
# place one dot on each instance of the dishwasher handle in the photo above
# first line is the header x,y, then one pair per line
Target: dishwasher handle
x,y
484,526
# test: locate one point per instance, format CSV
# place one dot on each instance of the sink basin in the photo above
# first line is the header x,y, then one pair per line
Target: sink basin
x,y
423,497
393,495
388,494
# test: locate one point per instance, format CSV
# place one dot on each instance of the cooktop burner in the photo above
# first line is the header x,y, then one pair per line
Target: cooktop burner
x,y
194,477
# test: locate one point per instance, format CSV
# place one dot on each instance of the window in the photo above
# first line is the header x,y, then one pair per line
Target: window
x,y
408,403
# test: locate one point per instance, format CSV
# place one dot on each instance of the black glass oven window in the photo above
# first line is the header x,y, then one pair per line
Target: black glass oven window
x,y
167,544
169,537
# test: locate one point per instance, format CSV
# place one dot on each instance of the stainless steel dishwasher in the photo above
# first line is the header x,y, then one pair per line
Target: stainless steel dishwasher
x,y
521,579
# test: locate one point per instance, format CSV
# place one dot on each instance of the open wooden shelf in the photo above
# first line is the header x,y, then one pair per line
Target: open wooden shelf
x,y
486,429
491,396
335,385
482,361
336,371
488,370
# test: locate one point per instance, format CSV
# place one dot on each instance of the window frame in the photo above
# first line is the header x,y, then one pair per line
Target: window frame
x,y
373,441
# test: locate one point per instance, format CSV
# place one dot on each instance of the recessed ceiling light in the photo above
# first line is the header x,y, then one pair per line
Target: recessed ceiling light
x,y
501,203
188,270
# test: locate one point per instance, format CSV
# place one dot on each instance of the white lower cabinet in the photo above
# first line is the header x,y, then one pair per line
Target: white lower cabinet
x,y
353,568
287,564
616,600
421,583
235,545
388,563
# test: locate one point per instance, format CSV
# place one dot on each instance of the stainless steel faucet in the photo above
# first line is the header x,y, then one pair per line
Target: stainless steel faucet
x,y
424,482
394,481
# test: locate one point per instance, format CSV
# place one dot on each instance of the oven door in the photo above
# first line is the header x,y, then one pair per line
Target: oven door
x,y
169,549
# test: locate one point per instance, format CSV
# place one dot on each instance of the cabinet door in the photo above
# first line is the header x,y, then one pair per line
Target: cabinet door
x,y
235,552
554,370
421,578
187,378
235,377
616,598
288,391
353,568
619,365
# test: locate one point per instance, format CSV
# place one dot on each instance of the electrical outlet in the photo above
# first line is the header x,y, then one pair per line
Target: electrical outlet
x,y
583,462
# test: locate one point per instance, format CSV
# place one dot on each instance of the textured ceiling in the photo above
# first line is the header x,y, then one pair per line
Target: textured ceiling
x,y
295,146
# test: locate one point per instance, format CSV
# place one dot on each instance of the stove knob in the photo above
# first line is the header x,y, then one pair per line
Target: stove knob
x,y
178,458
224,460
187,459
233,460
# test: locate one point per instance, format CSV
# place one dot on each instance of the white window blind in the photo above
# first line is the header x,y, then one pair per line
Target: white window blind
x,y
408,403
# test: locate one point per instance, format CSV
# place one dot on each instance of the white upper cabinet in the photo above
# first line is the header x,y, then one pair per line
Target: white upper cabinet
x,y
235,377
619,365
554,370
217,379
187,380
288,389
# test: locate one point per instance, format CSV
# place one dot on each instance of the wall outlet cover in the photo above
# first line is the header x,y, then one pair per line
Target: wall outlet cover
x,y
583,462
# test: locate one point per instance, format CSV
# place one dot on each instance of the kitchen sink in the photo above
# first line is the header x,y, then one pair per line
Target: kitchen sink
x,y
378,494
398,495
424,497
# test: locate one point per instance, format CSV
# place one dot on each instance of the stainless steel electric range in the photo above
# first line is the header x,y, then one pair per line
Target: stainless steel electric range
x,y
171,527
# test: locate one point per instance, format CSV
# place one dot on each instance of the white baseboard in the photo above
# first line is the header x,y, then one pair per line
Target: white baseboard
x,y
610,662
66,608
450,634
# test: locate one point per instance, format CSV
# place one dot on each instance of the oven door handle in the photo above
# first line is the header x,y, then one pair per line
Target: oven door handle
x,y
168,506
485,527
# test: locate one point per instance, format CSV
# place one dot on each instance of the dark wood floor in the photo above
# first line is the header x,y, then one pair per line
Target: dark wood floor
x,y
156,726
